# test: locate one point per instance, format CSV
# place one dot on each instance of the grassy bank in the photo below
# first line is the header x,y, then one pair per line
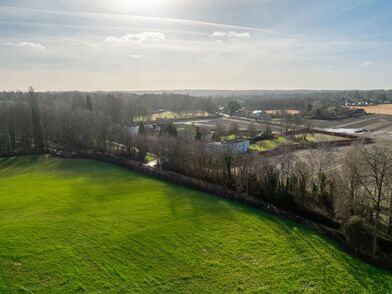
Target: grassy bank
x,y
278,141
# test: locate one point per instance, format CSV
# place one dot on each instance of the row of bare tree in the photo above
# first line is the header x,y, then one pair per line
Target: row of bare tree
x,y
367,186
32,121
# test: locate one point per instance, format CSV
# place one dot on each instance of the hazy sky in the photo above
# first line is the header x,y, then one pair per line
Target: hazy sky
x,y
203,44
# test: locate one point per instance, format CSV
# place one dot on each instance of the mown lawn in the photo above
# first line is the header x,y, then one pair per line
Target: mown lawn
x,y
316,137
270,144
69,226
149,157
280,140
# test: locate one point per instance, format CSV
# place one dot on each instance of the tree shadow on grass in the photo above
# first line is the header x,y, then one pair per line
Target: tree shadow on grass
x,y
198,204
369,277
106,182
19,164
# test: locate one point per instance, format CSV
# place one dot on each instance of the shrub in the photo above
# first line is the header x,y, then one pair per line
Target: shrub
x,y
357,233
284,200
327,202
385,245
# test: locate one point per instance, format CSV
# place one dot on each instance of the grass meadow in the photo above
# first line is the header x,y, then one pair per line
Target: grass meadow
x,y
81,226
278,141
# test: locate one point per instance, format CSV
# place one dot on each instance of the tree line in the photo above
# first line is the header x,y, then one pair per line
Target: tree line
x,y
300,99
31,121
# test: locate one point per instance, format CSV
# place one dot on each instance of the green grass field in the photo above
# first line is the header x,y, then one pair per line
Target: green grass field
x,y
69,226
149,157
316,137
279,140
229,138
270,144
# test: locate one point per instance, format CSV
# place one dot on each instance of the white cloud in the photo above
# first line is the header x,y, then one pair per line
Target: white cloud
x,y
218,34
137,38
30,45
230,35
136,56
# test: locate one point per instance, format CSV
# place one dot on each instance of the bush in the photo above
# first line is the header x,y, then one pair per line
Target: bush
x,y
357,233
327,202
284,200
319,217
385,245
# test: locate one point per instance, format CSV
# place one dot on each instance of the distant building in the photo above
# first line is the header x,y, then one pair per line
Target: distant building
x,y
235,146
133,130
150,129
260,114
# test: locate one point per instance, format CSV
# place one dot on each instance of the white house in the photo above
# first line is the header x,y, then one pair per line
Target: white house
x,y
260,114
235,146
134,130
151,129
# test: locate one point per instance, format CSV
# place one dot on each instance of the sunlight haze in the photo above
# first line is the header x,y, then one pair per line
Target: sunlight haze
x,y
185,44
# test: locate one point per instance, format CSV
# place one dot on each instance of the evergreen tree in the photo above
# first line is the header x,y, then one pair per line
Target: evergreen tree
x,y
198,134
142,129
170,130
36,120
233,107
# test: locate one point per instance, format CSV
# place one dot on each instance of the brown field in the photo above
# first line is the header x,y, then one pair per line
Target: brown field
x,y
289,111
379,109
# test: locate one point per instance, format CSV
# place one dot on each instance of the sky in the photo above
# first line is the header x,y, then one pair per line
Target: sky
x,y
195,44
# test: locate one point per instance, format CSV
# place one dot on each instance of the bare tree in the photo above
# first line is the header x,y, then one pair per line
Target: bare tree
x,y
319,160
252,130
227,158
374,172
351,200
301,174
286,162
219,132
390,208
234,129
36,121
